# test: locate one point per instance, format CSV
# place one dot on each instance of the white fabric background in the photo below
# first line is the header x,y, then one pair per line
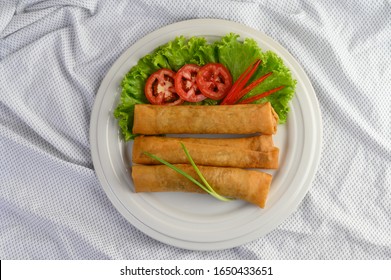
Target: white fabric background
x,y
53,56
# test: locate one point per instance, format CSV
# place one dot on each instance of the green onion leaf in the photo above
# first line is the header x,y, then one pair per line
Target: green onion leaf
x,y
207,188
197,170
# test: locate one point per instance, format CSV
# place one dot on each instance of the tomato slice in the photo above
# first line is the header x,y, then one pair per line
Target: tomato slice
x,y
185,83
214,80
160,90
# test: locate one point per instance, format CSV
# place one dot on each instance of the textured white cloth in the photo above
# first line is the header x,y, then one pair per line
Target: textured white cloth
x,y
53,57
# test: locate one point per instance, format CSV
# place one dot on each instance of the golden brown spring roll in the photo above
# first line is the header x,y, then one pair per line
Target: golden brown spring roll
x,y
249,185
193,119
210,155
261,143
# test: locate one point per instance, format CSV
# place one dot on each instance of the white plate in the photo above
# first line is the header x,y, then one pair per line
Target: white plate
x,y
197,221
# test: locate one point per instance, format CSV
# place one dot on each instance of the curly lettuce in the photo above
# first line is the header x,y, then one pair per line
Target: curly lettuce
x,y
235,54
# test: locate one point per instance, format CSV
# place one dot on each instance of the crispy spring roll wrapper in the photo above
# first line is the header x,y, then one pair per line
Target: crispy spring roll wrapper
x,y
210,155
193,119
249,185
261,143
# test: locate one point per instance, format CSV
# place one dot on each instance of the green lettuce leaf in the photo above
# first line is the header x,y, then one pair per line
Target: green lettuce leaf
x,y
281,76
235,54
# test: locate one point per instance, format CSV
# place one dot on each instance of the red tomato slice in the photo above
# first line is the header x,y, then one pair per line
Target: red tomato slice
x,y
185,83
214,80
160,90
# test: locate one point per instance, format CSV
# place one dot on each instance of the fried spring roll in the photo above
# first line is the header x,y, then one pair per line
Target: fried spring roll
x,y
251,186
261,143
193,119
210,155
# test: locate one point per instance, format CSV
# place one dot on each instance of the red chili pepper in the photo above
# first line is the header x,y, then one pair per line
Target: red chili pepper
x,y
240,83
261,95
247,89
